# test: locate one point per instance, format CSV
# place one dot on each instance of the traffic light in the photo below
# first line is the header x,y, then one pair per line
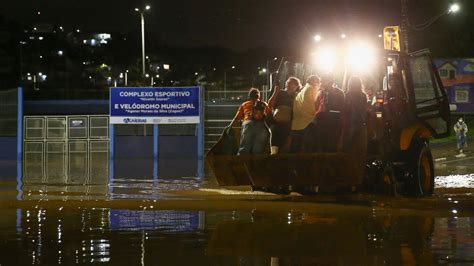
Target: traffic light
x,y
391,38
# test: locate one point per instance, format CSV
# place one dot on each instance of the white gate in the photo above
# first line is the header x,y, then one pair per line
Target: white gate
x,y
66,149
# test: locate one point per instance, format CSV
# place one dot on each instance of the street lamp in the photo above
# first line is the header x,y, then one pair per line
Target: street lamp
x,y
454,8
317,38
225,80
142,19
405,25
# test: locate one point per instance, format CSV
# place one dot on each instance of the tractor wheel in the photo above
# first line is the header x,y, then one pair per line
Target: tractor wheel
x,y
422,172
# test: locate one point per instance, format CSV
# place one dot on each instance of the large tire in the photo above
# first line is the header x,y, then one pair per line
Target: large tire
x,y
422,171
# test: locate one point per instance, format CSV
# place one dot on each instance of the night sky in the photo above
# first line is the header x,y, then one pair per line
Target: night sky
x,y
237,24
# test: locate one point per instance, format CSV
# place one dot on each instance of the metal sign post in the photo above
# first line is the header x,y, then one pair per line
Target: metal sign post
x,y
19,158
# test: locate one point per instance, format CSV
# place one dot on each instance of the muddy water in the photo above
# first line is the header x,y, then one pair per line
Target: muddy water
x,y
246,232
455,174
191,221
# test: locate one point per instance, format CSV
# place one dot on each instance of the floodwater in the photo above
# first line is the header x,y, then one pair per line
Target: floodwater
x,y
191,221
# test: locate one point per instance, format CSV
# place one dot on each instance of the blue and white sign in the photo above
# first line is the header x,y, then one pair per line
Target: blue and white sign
x,y
163,105
165,221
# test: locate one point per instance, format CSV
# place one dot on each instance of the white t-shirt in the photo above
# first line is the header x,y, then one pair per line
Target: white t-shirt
x,y
304,108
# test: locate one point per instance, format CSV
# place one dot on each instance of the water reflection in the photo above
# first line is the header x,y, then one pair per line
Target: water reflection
x,y
453,239
90,235
315,239
66,235
115,189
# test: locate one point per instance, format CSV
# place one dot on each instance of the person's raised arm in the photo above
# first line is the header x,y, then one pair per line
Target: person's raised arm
x,y
238,116
272,100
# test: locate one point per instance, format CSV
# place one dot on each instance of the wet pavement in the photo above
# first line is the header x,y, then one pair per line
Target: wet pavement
x,y
193,221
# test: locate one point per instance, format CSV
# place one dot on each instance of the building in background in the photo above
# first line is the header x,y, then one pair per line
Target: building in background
x,y
457,75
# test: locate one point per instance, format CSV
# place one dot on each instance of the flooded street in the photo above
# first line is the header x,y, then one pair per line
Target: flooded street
x,y
192,221
230,133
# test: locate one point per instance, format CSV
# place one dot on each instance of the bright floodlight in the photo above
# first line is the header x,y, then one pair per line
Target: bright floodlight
x,y
147,7
360,57
136,9
454,8
317,38
343,36
325,59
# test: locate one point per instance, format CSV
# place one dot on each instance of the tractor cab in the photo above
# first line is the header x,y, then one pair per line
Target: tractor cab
x,y
413,93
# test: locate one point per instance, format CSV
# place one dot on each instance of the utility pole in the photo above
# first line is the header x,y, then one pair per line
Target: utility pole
x,y
142,22
404,26
21,63
142,19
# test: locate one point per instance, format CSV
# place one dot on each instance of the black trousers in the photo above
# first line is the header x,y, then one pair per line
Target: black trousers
x,y
280,133
302,140
327,131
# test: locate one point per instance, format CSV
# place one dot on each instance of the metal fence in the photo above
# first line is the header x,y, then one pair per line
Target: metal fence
x,y
66,149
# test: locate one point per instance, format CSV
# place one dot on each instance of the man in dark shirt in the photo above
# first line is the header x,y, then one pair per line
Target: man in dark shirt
x,y
282,116
327,120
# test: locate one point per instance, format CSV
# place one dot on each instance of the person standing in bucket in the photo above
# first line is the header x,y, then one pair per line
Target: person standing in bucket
x,y
255,136
282,114
461,130
354,117
327,119
304,109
